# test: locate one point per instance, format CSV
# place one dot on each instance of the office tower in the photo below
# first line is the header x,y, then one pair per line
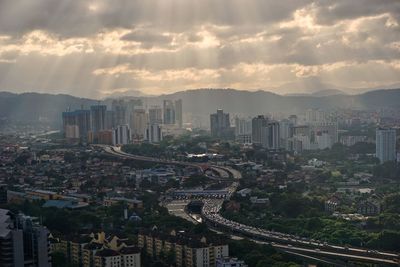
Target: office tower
x,y
179,113
131,105
286,132
257,125
139,123
23,242
98,117
76,124
121,135
220,124
293,119
273,135
242,126
153,133
155,115
243,130
110,120
83,122
71,132
70,127
386,144
119,107
169,112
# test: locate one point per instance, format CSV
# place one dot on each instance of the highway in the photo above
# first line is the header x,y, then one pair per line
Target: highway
x,y
282,241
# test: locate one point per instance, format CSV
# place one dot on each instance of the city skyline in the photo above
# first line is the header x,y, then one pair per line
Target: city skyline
x,y
97,49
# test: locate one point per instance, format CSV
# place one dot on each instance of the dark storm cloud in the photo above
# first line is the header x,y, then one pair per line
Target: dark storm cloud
x,y
83,17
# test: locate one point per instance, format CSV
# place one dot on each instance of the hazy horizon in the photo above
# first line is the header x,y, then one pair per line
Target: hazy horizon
x,y
99,48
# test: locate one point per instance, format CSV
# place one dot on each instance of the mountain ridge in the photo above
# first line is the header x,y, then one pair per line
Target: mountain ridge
x,y
33,106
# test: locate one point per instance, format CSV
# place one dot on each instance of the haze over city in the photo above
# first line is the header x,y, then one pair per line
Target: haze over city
x,y
97,48
199,133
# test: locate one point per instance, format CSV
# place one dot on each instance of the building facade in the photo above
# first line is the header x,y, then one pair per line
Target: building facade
x,y
386,144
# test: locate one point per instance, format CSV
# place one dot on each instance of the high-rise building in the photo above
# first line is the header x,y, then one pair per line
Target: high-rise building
x,y
139,122
242,126
179,113
315,116
273,135
23,242
154,133
120,112
104,137
220,124
121,135
98,117
286,132
386,144
257,125
293,119
76,124
110,120
130,110
71,132
169,112
243,130
155,115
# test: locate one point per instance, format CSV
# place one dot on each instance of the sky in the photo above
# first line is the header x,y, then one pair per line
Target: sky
x,y
100,48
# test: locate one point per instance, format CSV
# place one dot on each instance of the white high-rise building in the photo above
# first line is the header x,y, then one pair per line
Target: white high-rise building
x,y
242,126
154,133
386,144
121,135
324,141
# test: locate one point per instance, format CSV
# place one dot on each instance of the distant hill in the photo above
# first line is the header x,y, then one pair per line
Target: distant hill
x,y
325,92
328,92
32,107
35,107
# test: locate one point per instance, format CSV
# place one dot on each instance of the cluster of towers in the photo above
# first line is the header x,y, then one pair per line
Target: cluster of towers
x,y
126,121
315,131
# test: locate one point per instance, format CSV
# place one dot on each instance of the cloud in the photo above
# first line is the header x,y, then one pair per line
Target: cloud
x,y
89,47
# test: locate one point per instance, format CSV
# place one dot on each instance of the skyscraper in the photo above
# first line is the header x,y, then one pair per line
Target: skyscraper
x,y
169,112
121,135
220,124
257,125
153,133
139,122
179,113
23,242
155,115
76,124
386,144
120,109
285,132
98,117
131,105
242,126
273,135
110,119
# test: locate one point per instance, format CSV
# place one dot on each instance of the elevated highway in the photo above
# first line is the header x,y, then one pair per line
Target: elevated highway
x,y
285,242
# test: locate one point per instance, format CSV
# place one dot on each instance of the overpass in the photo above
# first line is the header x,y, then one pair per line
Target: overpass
x,y
285,242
